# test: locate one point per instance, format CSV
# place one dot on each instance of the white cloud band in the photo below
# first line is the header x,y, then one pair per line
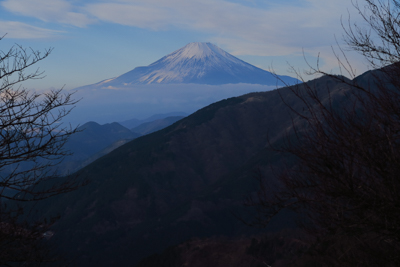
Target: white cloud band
x,y
19,30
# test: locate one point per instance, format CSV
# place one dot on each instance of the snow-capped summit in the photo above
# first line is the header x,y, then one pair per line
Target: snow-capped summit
x,y
197,51
202,52
199,63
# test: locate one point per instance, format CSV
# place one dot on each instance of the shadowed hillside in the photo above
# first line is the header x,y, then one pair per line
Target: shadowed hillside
x,y
181,182
93,141
153,126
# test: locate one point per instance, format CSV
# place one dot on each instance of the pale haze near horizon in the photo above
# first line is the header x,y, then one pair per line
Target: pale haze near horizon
x,y
95,40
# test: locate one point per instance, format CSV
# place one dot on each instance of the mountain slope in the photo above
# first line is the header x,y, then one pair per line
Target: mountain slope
x,y
199,63
88,144
153,126
132,123
181,182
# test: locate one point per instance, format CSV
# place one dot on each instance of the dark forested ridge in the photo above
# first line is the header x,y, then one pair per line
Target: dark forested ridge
x,y
181,182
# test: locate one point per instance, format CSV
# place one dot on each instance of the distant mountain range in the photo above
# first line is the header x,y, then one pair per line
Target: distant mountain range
x,y
94,140
197,63
181,182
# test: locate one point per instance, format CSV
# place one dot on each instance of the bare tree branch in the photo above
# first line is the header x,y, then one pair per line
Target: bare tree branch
x,y
32,137
346,181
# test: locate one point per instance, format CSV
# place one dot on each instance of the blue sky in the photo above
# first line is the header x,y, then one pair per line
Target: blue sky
x,y
99,39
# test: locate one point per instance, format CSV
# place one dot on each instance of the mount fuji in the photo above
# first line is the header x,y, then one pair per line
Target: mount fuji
x,y
197,63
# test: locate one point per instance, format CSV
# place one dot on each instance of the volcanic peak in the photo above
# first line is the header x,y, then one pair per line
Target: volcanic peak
x,y
198,63
204,53
197,51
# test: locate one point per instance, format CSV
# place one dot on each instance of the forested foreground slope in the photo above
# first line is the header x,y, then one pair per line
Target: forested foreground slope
x,y
185,181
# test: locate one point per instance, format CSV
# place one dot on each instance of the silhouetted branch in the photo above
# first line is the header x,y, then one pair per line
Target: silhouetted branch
x,y
32,137
346,141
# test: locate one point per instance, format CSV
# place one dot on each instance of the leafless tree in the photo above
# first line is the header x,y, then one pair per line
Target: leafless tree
x,y
31,142
346,181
